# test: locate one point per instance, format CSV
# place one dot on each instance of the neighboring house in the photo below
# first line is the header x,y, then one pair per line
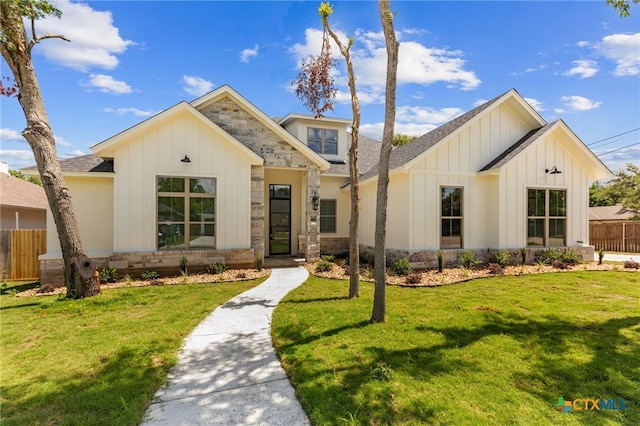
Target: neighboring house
x,y
23,205
610,214
218,180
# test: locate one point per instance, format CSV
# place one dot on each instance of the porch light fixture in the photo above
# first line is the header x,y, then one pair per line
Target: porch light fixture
x,y
316,201
553,171
186,159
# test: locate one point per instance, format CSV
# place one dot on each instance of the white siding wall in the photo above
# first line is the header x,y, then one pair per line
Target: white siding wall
x,y
298,128
92,199
157,152
331,189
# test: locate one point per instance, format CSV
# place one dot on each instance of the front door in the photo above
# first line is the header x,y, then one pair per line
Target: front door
x,y
279,219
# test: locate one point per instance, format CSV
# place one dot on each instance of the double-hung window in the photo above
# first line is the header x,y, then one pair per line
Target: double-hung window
x,y
186,213
327,216
323,141
546,217
451,217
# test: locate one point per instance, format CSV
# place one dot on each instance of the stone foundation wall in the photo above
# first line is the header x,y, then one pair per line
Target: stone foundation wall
x,y
451,258
328,245
164,262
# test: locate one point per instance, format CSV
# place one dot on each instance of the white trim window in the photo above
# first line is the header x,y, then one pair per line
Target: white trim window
x,y
323,141
186,210
328,216
451,217
546,217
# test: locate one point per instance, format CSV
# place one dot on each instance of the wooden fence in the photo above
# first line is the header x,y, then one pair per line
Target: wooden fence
x,y
20,250
620,236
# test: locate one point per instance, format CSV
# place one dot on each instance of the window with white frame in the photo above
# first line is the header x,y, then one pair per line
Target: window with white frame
x,y
546,217
450,217
186,213
323,141
327,216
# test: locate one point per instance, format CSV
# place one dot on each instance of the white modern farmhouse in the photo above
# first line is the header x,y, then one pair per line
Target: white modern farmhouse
x,y
218,180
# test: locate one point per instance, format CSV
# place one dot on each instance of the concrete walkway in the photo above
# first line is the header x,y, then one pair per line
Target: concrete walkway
x,y
227,371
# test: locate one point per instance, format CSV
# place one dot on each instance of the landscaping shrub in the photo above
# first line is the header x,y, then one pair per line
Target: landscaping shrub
x,y
468,259
183,265
328,257
600,256
440,261
631,264
108,275
501,258
402,267
496,269
150,275
259,261
413,279
324,266
570,257
217,268
523,255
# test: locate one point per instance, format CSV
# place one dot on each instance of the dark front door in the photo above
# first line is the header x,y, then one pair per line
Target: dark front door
x,y
279,219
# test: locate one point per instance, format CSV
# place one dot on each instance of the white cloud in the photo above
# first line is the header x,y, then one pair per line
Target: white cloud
x,y
374,130
582,43
584,68
94,40
624,49
480,102
135,111
61,142
17,158
534,69
427,115
196,86
417,63
619,159
11,135
579,103
535,104
107,84
247,54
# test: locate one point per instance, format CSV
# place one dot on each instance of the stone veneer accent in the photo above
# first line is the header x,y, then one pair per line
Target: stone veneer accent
x,y
163,262
427,259
328,245
247,129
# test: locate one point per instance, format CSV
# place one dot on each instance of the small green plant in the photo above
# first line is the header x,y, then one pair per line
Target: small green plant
x,y
108,275
569,257
523,255
600,255
381,372
127,279
217,268
368,273
501,258
183,265
149,275
328,257
440,261
259,262
324,266
402,267
468,259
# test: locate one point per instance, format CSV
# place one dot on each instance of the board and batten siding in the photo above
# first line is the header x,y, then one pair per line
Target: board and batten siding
x,y
156,151
92,199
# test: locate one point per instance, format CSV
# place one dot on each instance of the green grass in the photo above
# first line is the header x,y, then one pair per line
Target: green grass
x,y
96,361
492,351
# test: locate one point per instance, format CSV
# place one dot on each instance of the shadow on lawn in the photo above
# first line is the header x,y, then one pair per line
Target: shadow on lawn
x,y
107,394
593,360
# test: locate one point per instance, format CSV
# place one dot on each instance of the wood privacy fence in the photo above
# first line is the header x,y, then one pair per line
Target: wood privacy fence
x,y
20,249
620,236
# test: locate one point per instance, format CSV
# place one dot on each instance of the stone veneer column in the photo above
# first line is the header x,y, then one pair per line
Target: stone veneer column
x,y
313,216
257,210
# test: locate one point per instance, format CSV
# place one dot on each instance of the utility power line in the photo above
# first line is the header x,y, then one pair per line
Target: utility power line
x,y
611,137
617,149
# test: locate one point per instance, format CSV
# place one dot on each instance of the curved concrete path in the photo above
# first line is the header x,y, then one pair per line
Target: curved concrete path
x,y
228,372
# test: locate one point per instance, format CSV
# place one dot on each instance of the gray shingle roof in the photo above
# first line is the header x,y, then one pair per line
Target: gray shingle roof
x,y
517,147
368,156
87,163
20,193
405,153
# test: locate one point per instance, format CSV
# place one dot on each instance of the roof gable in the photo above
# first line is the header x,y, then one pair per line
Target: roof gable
x,y
20,193
227,91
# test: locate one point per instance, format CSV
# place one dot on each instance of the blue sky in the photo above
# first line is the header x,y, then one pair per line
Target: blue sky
x,y
127,60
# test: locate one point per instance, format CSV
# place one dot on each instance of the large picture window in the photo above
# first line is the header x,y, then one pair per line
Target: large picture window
x,y
327,216
546,217
186,213
323,141
451,217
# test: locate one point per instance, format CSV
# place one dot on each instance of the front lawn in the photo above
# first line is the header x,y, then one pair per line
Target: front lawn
x,y
491,351
96,361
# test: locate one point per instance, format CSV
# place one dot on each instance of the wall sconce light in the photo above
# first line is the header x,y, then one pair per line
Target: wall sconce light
x,y
316,201
186,159
553,171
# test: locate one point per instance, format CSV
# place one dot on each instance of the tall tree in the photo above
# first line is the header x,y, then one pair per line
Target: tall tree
x,y
622,6
16,47
315,87
380,293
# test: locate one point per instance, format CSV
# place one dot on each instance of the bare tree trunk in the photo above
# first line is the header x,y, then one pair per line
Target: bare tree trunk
x,y
79,271
380,296
354,245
